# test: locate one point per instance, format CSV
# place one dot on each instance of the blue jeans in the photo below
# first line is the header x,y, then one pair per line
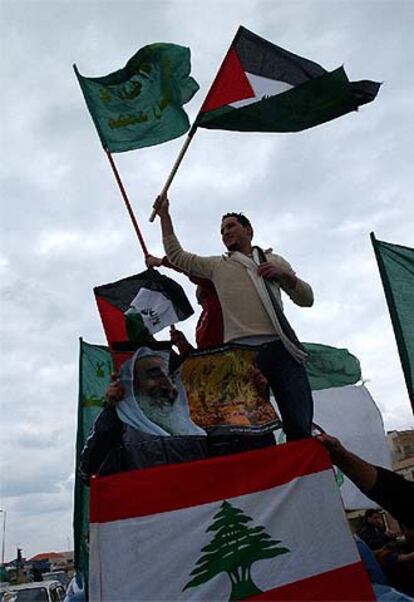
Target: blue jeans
x,y
290,386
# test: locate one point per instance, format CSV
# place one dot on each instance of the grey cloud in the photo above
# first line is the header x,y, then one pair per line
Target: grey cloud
x,y
313,196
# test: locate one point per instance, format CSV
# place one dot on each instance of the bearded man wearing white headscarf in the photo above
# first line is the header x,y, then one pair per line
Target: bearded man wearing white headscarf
x,y
151,425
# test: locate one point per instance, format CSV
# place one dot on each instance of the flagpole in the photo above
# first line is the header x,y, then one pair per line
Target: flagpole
x,y
175,166
126,201
190,134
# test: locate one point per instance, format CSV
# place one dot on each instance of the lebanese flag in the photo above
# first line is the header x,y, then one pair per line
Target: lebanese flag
x,y
261,525
261,87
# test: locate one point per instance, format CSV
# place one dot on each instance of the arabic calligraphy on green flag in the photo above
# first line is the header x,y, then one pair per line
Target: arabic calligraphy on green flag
x,y
141,104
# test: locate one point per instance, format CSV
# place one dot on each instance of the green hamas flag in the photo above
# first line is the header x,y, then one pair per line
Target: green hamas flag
x,y
331,367
141,104
261,87
396,267
95,369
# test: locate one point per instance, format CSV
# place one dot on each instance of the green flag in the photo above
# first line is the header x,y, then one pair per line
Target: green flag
x,y
331,367
396,267
141,104
95,369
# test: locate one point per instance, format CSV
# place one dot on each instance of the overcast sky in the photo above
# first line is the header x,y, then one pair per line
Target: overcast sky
x,y
313,196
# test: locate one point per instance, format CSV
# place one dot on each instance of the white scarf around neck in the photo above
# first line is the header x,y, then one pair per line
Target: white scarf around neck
x,y
251,264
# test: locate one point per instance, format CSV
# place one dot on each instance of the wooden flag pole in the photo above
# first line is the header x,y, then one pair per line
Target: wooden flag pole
x,y
175,166
191,132
127,203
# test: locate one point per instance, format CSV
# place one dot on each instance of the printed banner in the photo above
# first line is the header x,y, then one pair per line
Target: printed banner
x,y
213,392
223,394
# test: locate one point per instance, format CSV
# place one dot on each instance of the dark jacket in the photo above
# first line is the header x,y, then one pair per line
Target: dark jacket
x,y
374,537
395,494
115,447
399,573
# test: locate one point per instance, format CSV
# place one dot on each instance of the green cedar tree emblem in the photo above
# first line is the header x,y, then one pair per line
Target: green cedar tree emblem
x,y
233,550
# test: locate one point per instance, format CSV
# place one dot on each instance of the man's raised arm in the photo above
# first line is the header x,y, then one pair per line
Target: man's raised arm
x,y
162,208
190,263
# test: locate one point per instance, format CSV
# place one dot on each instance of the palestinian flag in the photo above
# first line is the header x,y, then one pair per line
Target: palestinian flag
x,y
261,87
262,525
152,300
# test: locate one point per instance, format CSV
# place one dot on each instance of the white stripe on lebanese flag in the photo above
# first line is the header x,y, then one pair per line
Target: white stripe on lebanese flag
x,y
267,524
263,87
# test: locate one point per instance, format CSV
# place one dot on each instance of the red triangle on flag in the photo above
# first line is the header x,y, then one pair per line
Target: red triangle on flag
x,y
230,84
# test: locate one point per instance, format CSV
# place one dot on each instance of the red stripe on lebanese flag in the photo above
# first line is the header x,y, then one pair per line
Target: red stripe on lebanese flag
x,y
231,84
347,583
166,488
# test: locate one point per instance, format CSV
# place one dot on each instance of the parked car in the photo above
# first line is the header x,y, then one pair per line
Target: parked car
x,y
61,576
38,591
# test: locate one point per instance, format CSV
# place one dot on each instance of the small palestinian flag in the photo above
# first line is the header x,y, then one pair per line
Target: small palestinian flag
x,y
148,301
259,525
261,87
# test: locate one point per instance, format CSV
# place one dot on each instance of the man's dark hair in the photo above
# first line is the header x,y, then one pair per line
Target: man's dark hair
x,y
370,512
242,219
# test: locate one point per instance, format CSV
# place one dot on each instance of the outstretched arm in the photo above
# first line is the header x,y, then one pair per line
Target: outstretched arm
x,y
363,474
153,262
156,262
162,208
180,341
387,488
189,263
